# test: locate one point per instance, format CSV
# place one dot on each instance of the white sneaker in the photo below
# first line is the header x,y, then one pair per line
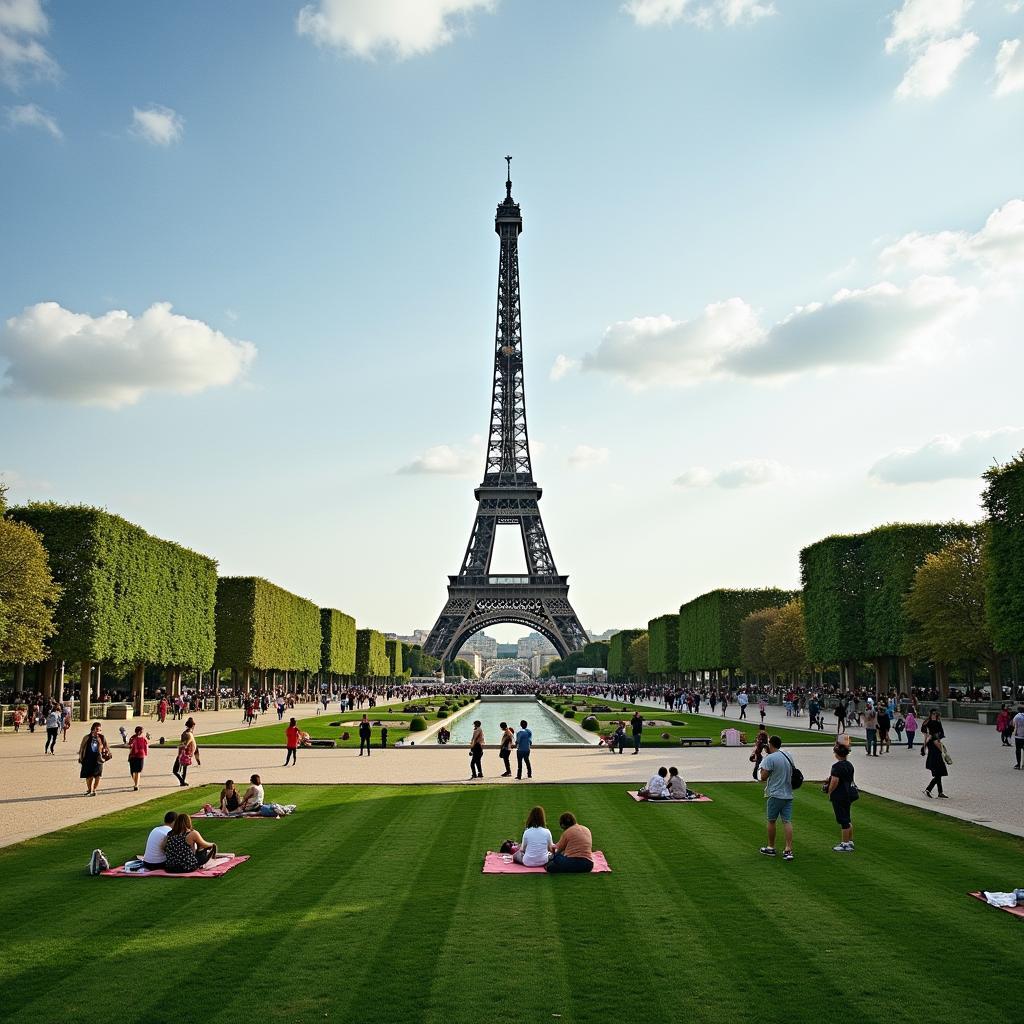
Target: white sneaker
x,y
843,848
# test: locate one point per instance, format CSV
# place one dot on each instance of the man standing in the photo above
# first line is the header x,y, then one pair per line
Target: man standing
x,y
524,741
777,773
813,710
291,736
636,725
1018,734
870,729
364,736
884,723
743,700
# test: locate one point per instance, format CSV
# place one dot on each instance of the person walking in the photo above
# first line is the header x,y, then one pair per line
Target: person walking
x,y
932,749
636,726
842,792
54,719
871,731
840,718
884,724
365,732
777,774
186,754
1003,725
1018,735
476,752
92,753
762,708
760,743
524,741
138,751
291,743
508,739
910,724
743,700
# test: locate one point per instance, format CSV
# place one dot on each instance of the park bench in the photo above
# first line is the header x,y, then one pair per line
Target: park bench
x,y
321,743
696,741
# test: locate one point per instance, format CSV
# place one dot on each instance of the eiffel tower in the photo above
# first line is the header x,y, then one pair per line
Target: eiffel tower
x,y
508,495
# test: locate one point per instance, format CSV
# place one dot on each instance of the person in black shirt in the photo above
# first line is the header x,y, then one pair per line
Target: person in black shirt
x,y
636,724
884,724
933,751
364,736
841,790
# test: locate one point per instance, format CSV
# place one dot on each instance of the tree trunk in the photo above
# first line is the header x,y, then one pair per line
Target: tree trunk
x,y
99,676
139,688
19,678
59,683
881,675
49,667
84,692
906,677
942,679
215,679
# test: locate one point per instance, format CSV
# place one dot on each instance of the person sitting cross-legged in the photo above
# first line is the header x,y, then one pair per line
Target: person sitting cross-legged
x,y
657,787
574,850
154,857
185,849
676,787
537,845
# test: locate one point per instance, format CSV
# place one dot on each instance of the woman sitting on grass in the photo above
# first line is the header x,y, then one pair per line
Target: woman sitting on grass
x,y
252,799
575,850
185,849
230,800
676,787
537,845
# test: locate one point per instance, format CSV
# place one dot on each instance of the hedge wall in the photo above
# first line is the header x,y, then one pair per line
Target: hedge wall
x,y
371,654
1004,578
337,642
262,626
127,597
833,586
618,651
709,626
393,648
663,653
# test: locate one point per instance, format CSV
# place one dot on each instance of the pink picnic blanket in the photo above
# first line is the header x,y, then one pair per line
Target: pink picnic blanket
x,y
701,799
1016,911
220,865
494,864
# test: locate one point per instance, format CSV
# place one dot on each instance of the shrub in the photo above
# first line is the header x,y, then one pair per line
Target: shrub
x,y
442,712
569,712
589,723
418,724
666,736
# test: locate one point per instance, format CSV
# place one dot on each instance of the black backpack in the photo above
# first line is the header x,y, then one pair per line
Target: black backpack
x,y
796,777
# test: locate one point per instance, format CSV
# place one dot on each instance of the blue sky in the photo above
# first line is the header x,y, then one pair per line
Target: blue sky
x,y
771,270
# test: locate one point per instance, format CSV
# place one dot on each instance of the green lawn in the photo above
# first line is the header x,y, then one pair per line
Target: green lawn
x,y
368,906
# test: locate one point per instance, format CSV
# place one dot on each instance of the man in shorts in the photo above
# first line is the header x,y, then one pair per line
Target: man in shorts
x,y
777,774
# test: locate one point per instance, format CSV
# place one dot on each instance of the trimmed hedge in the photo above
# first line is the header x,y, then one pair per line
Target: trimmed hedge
x,y
709,625
371,654
262,626
618,651
417,724
590,723
833,588
393,649
1004,583
663,652
338,642
127,597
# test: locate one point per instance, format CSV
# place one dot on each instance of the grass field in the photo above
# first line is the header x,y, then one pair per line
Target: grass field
x,y
368,906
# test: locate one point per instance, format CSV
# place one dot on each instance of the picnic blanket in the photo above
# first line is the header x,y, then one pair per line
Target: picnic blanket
x,y
495,864
1016,911
700,798
220,865
209,811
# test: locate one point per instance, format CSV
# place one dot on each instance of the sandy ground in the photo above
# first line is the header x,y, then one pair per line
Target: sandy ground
x,y
41,793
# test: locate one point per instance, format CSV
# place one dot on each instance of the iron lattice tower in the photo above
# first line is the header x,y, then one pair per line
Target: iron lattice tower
x,y
508,495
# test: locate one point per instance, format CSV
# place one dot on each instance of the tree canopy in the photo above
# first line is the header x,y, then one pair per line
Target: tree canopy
x,y
1003,499
28,593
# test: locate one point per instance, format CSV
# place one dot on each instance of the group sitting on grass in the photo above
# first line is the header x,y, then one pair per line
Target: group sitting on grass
x,y
667,784
574,851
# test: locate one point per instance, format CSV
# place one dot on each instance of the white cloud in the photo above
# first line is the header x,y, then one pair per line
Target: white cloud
x,y
700,12
449,460
923,20
745,473
159,125
998,247
22,56
114,359
404,28
659,350
1009,68
933,70
584,456
28,115
561,366
21,486
949,458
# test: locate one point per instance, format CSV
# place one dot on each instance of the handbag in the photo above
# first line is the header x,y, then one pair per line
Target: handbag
x,y
853,791
105,754
945,754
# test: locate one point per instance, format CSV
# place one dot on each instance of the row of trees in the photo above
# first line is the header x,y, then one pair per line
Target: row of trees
x,y
82,587
946,594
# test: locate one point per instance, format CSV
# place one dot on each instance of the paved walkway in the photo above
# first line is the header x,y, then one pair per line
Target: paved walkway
x,y
40,793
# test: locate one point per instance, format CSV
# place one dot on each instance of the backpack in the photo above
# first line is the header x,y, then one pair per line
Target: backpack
x,y
796,777
98,863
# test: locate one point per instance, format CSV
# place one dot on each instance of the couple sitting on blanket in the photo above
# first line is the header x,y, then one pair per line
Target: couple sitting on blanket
x,y
176,847
250,803
573,851
666,785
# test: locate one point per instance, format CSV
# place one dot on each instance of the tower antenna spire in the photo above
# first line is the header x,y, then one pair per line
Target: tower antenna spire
x,y
508,180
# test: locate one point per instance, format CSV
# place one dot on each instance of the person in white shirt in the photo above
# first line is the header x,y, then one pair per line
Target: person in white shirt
x,y
154,857
537,845
657,788
252,799
1018,734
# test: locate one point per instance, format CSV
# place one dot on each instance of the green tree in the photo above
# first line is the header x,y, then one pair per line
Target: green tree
x,y
421,664
785,641
1004,503
946,604
752,633
663,633
28,594
639,651
618,652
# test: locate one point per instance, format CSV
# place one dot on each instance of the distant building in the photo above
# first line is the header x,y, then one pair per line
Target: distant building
x,y
606,635
473,659
482,644
533,643
538,661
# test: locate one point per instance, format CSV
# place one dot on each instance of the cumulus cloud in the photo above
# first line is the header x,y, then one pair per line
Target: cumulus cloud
x,y
28,115
561,366
923,20
584,456
997,247
402,28
114,359
161,126
22,55
933,70
736,475
1009,68
448,459
949,458
700,12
